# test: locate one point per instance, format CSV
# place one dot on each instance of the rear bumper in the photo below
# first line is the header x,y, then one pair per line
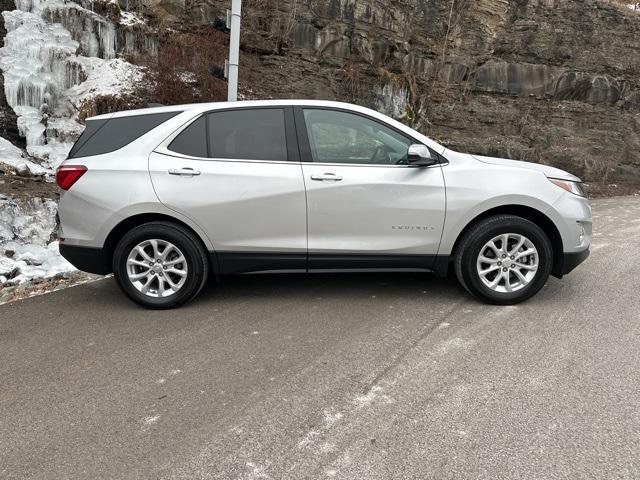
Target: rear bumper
x,y
87,259
570,261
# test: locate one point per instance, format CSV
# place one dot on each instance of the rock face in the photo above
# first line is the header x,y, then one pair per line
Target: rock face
x,y
8,118
550,81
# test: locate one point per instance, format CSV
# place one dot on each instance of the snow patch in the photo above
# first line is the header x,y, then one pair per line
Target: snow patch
x,y
30,221
395,101
114,77
453,344
330,419
151,419
35,262
308,439
130,18
256,471
16,158
370,396
187,77
392,100
7,269
327,447
26,249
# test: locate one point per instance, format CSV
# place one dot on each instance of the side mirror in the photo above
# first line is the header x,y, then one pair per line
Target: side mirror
x,y
420,156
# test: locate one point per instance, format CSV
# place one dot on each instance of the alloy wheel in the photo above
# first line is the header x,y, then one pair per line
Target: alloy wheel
x,y
507,263
157,268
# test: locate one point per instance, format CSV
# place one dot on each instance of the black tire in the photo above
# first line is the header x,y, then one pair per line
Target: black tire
x,y
474,239
194,253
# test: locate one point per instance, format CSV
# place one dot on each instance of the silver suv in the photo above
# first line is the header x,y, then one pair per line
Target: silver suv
x,y
163,197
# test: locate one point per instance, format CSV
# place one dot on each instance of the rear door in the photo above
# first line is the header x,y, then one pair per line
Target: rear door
x,y
236,173
367,208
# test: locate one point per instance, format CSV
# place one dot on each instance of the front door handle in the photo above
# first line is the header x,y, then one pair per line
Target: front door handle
x,y
184,172
326,177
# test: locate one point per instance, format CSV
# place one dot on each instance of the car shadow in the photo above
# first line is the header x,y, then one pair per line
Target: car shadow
x,y
332,285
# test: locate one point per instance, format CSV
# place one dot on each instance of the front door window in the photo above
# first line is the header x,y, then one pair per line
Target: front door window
x,y
340,137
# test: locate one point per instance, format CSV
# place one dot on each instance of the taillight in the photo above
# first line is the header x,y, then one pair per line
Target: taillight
x,y
67,175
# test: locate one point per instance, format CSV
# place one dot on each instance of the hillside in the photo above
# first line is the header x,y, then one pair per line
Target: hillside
x,y
556,82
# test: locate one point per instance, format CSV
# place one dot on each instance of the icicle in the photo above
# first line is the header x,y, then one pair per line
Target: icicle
x,y
151,46
72,74
27,5
107,36
31,92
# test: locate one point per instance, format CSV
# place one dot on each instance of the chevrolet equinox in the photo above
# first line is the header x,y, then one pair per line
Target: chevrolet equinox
x,y
163,197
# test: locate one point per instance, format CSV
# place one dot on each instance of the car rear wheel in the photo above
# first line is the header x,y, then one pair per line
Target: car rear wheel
x,y
160,265
504,259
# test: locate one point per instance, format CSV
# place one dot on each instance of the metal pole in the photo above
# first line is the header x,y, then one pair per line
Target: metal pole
x,y
234,51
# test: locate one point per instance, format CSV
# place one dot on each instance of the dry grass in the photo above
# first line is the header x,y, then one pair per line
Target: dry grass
x,y
181,70
101,104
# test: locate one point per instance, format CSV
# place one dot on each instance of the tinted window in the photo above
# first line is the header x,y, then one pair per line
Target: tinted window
x,y
90,128
192,140
248,134
115,133
340,137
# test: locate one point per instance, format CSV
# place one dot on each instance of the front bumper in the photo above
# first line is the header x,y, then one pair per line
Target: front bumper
x,y
87,259
569,261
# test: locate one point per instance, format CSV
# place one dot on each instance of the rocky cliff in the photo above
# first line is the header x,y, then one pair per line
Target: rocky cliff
x,y
551,81
8,118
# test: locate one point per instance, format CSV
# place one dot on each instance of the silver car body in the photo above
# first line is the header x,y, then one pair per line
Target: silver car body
x,y
295,208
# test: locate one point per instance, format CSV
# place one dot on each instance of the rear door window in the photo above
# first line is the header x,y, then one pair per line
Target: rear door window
x,y
105,136
248,134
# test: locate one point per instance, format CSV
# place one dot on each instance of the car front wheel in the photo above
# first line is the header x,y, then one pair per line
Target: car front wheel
x,y
504,259
160,265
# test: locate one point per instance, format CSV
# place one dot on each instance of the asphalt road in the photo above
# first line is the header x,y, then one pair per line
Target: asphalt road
x,y
333,376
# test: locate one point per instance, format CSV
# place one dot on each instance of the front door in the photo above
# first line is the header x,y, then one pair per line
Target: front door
x,y
366,207
236,173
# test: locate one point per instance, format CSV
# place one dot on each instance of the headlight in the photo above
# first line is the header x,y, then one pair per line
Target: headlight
x,y
569,186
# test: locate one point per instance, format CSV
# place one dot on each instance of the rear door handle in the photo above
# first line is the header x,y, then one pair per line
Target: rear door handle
x,y
326,177
185,172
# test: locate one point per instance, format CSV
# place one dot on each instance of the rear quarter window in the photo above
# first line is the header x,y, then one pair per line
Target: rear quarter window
x,y
105,136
